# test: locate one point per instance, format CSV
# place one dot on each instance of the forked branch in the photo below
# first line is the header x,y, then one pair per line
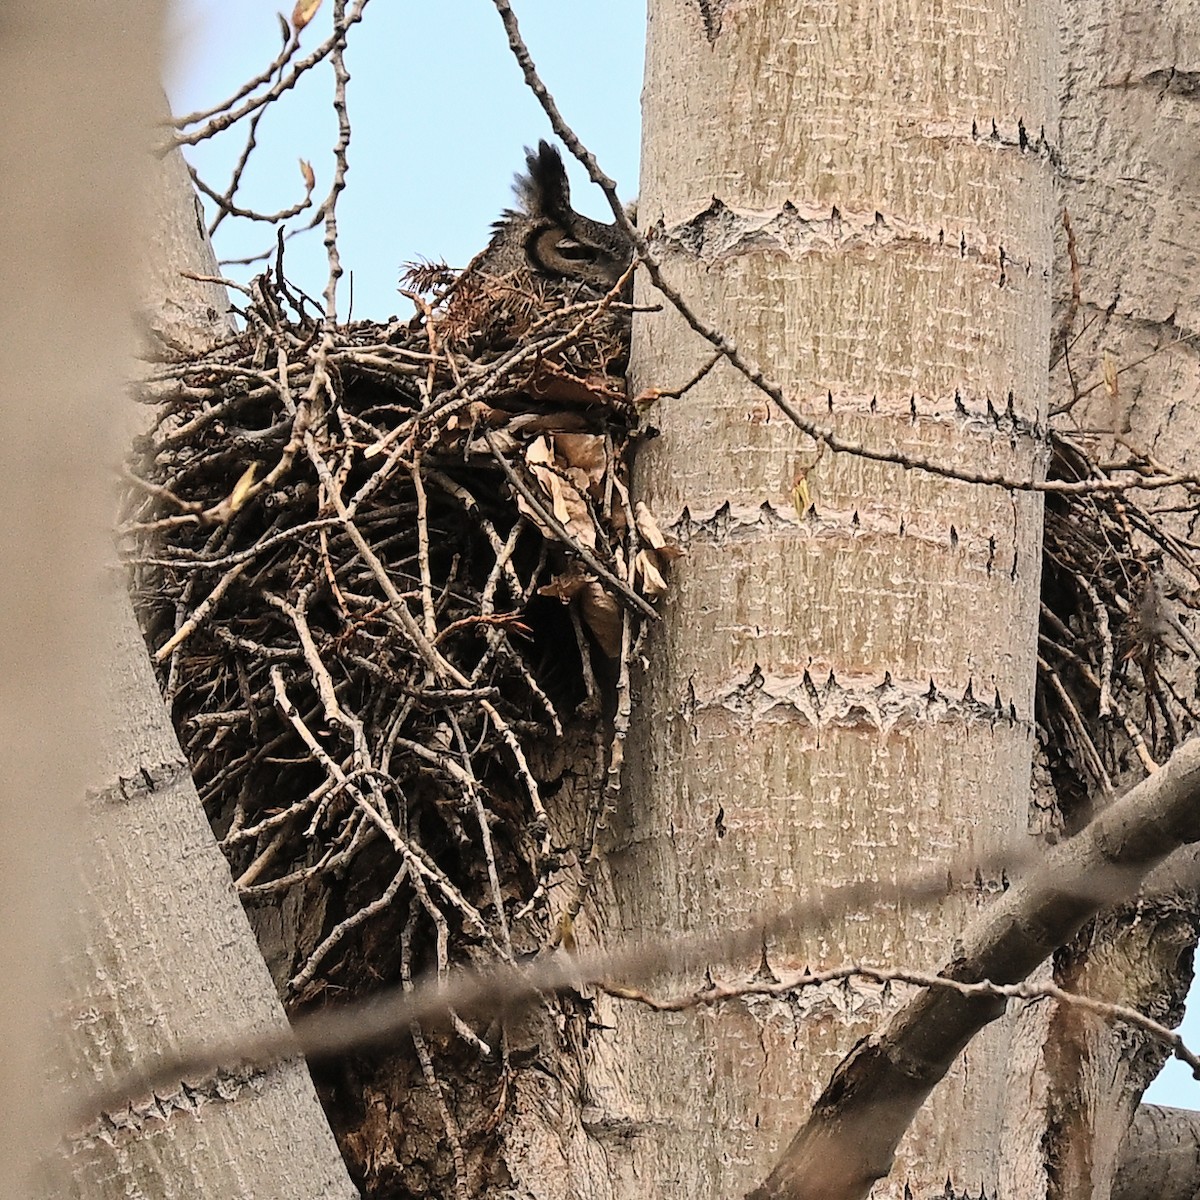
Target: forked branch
x,y
850,1138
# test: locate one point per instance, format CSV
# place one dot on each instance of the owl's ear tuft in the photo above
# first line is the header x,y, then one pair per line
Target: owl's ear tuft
x,y
547,237
544,190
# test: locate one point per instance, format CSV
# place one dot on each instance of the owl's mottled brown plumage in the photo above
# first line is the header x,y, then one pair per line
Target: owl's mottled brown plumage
x,y
542,254
547,237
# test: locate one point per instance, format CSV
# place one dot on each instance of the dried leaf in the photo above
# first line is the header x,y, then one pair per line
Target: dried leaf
x,y
241,489
550,382
306,171
1109,361
579,520
558,422
555,489
539,451
304,12
602,614
580,480
801,499
802,496
588,453
647,527
481,413
567,503
566,934
564,587
653,584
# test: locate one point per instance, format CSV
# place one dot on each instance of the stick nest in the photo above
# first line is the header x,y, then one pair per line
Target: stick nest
x,y
378,567
1119,663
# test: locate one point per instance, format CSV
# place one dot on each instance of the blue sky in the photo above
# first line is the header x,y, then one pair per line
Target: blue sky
x,y
440,116
440,119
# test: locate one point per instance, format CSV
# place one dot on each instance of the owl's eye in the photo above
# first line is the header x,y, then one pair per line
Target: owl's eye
x,y
574,251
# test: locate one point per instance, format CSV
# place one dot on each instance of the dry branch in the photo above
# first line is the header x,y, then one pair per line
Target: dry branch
x,y
851,1136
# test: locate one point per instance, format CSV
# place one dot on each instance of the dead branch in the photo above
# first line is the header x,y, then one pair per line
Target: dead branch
x,y
849,1140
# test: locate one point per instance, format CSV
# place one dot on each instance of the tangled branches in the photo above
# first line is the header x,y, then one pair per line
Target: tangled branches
x,y
1117,661
374,568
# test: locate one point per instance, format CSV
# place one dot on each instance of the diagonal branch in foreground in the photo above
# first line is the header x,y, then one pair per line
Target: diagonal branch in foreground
x,y
851,1135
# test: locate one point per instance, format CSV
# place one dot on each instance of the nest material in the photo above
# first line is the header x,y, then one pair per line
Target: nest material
x,y
375,565
1118,665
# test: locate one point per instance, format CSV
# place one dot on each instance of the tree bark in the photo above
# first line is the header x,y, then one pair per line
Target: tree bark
x,y
167,953
861,198
163,951
73,82
850,1138
1160,1157
1130,180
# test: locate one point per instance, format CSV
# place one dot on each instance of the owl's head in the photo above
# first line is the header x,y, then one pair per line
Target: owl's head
x,y
547,236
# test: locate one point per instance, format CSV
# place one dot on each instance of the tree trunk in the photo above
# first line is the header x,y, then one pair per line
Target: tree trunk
x,y
1160,1157
164,955
73,81
861,197
166,958
1131,185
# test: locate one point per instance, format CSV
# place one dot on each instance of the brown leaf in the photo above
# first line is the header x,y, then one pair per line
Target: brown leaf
x,y
304,12
539,452
603,616
1109,363
241,489
587,453
646,564
566,934
485,413
566,501
559,422
548,382
801,496
647,526
564,587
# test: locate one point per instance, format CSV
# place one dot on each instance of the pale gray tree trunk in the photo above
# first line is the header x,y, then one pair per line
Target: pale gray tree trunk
x,y
162,954
1160,1157
68,179
1130,182
860,196
165,958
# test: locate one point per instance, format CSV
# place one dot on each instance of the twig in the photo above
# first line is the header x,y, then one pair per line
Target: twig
x,y
453,1135
572,544
229,112
308,972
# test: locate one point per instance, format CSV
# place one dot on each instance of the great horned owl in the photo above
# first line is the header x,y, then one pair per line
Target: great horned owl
x,y
547,237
